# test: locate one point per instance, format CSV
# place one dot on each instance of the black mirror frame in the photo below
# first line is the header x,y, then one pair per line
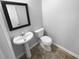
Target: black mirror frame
x,y
4,3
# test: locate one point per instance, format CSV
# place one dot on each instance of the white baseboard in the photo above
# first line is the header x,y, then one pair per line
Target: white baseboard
x,y
71,53
24,52
20,55
34,45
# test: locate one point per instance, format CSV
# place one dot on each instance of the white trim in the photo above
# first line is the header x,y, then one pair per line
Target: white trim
x,y
73,54
34,45
19,56
24,52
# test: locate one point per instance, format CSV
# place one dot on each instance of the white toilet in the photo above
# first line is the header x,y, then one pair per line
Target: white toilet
x,y
46,41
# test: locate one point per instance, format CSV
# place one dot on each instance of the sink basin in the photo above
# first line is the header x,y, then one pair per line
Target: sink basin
x,y
28,36
23,39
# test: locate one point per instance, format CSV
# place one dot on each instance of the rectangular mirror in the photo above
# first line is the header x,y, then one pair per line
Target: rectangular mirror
x,y
16,14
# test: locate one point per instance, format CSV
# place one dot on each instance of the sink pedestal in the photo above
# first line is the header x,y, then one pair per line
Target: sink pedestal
x,y
27,50
23,39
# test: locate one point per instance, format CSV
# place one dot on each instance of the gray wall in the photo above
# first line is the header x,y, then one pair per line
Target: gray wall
x,y
6,50
1,55
35,13
61,20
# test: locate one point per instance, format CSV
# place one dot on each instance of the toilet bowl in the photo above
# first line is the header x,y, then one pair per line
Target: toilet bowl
x,y
45,41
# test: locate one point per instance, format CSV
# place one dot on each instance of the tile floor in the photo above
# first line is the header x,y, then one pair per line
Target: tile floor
x,y
56,53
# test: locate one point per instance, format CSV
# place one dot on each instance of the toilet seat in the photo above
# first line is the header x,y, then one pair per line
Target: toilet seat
x,y
46,40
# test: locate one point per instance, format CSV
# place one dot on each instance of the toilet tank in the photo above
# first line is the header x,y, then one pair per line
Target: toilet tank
x,y
39,32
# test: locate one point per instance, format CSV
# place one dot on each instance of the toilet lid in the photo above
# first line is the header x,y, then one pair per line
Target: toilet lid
x,y
46,39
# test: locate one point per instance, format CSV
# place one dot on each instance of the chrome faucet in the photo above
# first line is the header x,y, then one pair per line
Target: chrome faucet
x,y
22,33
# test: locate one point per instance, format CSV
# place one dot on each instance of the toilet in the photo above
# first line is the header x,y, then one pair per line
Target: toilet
x,y
45,41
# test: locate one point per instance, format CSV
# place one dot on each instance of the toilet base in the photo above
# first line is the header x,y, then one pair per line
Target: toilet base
x,y
45,47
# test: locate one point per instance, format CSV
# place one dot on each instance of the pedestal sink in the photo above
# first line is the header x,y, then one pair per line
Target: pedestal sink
x,y
23,39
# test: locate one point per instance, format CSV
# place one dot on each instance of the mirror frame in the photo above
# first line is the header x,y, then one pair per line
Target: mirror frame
x,y
4,3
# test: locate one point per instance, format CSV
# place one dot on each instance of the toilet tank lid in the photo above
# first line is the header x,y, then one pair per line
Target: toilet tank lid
x,y
38,30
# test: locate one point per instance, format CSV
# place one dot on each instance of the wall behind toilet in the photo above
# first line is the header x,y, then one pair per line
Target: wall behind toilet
x,y
35,14
61,20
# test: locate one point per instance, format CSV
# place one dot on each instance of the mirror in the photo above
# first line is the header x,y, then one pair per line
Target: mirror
x,y
16,14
